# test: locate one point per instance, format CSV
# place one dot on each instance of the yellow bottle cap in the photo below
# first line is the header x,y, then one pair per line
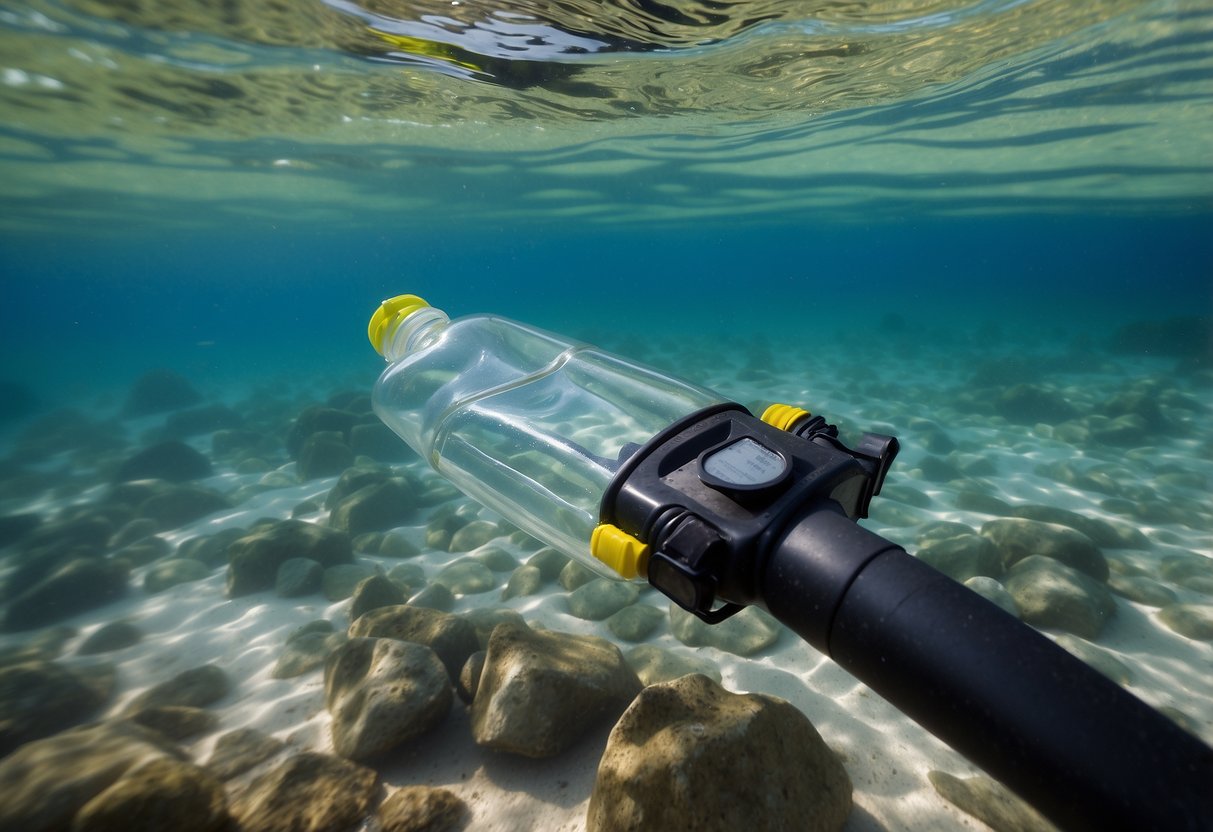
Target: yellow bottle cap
x,y
619,550
783,416
390,314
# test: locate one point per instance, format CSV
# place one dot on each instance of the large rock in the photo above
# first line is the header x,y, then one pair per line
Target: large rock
x,y
115,635
467,577
307,649
310,792
173,461
384,505
165,574
39,698
79,585
157,391
687,754
339,582
1018,538
324,454
253,560
173,506
193,688
420,809
383,693
453,638
316,419
540,691
240,750
373,593
162,793
1101,532
298,576
1051,595
1194,621
45,783
963,556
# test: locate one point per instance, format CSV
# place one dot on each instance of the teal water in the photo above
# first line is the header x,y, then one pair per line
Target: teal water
x,y
897,212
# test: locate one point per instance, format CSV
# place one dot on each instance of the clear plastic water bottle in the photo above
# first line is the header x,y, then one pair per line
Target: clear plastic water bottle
x,y
527,422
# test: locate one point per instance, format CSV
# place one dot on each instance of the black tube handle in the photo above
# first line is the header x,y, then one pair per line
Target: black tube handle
x,y
1083,751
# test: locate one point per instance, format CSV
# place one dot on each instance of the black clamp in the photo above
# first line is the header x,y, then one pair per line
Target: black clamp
x,y
684,565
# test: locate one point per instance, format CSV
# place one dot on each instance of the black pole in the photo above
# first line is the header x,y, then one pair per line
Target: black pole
x,y
1083,751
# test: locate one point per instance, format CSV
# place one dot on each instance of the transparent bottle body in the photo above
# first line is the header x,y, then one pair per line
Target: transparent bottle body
x,y
526,422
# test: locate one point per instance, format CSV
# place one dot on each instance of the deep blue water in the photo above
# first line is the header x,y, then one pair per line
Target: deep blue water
x,y
83,314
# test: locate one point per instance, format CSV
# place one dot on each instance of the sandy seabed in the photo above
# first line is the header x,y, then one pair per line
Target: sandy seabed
x,y
886,755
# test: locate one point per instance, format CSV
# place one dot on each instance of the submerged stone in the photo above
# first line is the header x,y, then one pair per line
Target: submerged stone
x,y
157,391
1194,621
748,632
467,577
474,535
240,750
1017,538
177,722
297,577
1142,590
307,649
687,754
375,592
377,507
525,580
381,693
654,664
994,592
166,574
309,792
550,562
78,585
1051,595
324,454
963,557
44,783
990,802
540,692
162,793
196,688
601,598
39,698
113,636
420,809
255,558
172,461
1098,658
636,622
453,638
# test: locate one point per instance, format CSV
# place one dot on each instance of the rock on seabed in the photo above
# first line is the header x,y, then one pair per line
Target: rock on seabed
x,y
688,754
541,691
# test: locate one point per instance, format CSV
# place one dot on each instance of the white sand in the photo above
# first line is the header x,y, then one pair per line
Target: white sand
x,y
886,755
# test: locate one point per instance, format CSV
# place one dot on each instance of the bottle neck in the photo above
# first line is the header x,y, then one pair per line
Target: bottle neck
x,y
416,332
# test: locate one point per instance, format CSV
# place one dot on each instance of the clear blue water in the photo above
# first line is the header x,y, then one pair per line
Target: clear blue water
x,y
84,313
895,211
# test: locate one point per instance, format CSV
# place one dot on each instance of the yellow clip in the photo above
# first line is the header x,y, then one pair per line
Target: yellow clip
x,y
619,550
783,416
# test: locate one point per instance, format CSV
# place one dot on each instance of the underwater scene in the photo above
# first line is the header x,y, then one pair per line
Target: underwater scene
x,y
233,598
